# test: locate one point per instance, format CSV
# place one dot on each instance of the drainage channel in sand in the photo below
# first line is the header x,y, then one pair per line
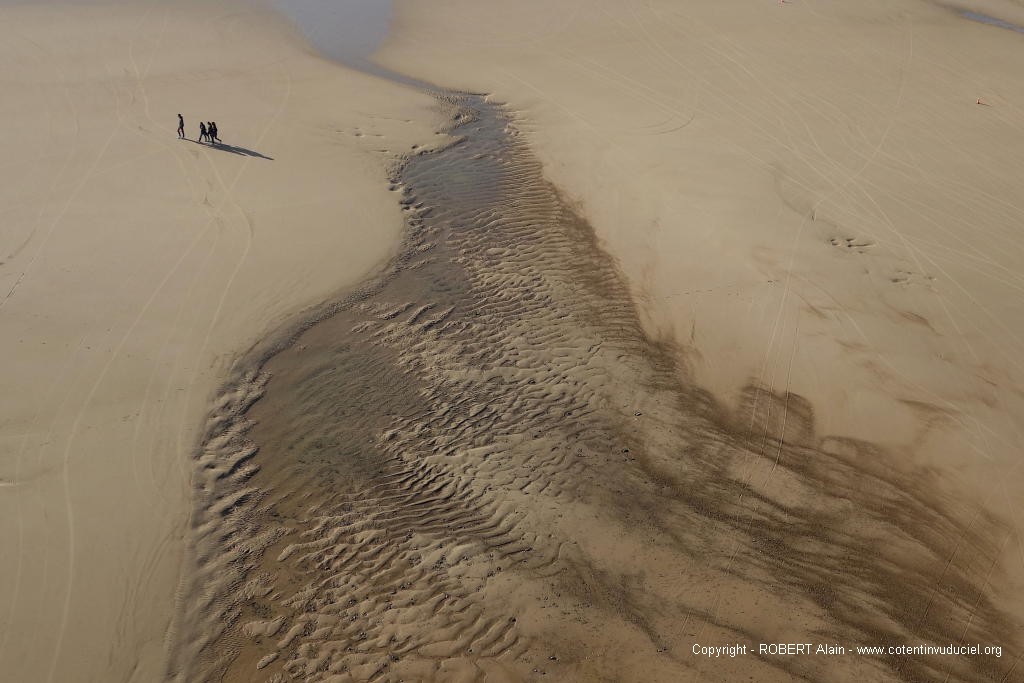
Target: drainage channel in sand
x,y
477,467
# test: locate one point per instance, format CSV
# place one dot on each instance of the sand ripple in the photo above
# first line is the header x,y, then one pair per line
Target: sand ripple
x,y
478,467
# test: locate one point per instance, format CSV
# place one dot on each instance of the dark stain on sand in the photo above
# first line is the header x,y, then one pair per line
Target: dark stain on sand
x,y
478,467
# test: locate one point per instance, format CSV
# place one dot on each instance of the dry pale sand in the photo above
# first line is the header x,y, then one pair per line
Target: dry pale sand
x,y
134,269
806,198
711,337
478,467
706,337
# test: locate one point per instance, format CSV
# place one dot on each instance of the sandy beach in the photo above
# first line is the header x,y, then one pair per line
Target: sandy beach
x,y
136,268
806,197
659,330
814,203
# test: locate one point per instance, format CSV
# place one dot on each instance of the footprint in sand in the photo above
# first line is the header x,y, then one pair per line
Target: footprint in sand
x,y
858,245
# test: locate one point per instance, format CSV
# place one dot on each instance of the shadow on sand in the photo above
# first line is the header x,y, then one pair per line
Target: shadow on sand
x,y
234,150
413,471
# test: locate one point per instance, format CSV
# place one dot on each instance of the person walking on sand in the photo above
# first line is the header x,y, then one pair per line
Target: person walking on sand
x,y
213,132
181,127
202,131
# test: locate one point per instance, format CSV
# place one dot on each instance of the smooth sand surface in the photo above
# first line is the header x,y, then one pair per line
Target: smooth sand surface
x,y
477,467
777,399
348,31
135,267
805,197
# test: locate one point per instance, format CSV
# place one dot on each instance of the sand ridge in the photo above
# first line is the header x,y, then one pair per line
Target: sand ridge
x,y
478,467
750,372
803,196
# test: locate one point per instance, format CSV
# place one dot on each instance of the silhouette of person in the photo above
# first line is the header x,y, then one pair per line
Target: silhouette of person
x,y
213,131
181,126
202,131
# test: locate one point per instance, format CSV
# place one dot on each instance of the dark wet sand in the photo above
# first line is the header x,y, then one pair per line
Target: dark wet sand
x,y
479,468
347,31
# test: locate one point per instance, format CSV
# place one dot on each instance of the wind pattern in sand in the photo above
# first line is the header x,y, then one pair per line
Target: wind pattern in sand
x,y
478,468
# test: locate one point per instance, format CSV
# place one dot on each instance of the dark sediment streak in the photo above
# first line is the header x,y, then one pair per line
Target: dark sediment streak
x,y
478,467
980,17
992,21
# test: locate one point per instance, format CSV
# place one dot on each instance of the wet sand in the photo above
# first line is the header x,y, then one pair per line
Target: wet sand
x,y
347,31
135,268
479,467
512,456
805,197
700,330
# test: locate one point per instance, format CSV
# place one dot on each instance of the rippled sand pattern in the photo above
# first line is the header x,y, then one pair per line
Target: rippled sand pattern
x,y
479,468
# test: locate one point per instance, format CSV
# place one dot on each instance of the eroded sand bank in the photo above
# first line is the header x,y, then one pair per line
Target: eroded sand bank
x,y
135,268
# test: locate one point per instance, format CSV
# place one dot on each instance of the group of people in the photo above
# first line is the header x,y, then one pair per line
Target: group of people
x,y
207,130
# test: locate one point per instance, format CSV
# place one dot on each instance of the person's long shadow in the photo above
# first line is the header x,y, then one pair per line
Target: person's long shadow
x,y
234,150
